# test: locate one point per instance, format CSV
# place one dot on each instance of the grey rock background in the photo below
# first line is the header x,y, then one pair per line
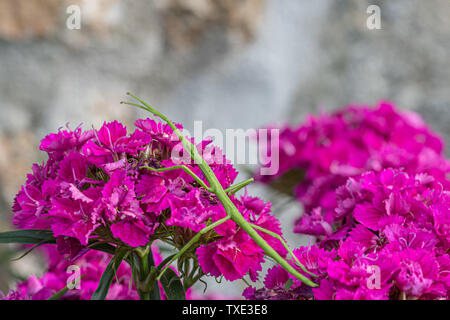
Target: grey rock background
x,y
232,64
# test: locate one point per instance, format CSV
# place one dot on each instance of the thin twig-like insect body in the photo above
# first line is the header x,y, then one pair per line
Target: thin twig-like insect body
x,y
223,196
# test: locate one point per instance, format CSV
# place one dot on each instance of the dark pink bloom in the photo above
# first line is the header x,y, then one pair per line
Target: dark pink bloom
x,y
119,198
58,144
91,264
96,186
132,231
151,187
111,141
75,218
236,254
346,143
190,212
418,270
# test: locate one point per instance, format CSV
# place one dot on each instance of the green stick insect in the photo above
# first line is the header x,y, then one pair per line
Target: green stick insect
x,y
223,196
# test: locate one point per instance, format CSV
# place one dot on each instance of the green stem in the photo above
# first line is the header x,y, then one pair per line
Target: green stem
x,y
145,295
143,263
191,242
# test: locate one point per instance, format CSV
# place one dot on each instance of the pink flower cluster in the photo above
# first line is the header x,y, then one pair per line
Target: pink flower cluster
x,y
333,147
280,285
393,243
236,254
91,266
377,196
95,187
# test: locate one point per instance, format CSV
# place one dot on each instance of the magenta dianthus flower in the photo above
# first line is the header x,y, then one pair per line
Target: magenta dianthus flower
x,y
333,147
101,186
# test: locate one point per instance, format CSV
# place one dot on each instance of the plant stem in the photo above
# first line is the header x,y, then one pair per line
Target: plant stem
x,y
143,263
191,242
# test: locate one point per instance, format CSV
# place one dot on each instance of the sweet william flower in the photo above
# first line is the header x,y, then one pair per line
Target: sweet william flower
x,y
279,285
76,218
91,264
233,257
133,232
111,141
333,147
390,237
236,254
58,144
32,204
99,187
419,269
190,212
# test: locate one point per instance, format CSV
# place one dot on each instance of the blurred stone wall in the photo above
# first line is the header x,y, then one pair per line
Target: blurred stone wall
x,y
231,63
50,75
405,62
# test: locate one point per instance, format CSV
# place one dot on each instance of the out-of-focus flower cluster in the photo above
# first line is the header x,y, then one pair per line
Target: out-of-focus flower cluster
x,y
376,194
91,265
96,187
333,147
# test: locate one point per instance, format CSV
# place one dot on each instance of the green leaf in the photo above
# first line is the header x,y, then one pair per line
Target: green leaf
x,y
28,236
288,284
164,262
108,276
172,286
104,247
59,294
29,250
154,293
62,292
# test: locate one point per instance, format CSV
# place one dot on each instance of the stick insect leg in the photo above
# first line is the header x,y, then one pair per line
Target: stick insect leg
x,y
187,170
277,236
238,186
191,242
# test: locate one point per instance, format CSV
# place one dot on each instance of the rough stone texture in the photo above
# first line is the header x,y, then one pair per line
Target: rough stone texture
x,y
232,64
404,62
50,75
50,78
34,19
20,19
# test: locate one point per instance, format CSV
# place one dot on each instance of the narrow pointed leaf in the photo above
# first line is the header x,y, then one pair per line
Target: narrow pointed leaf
x,y
104,247
108,276
172,286
164,262
29,250
154,293
28,236
62,292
